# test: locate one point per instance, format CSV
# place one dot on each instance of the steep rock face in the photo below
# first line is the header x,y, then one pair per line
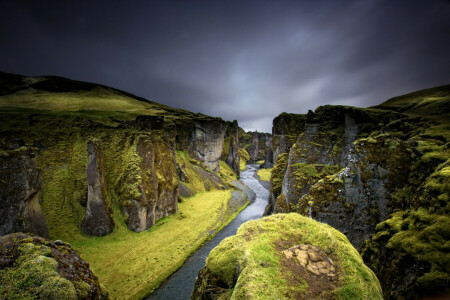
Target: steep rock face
x,y
268,161
323,142
257,144
207,142
32,267
98,217
232,139
153,175
285,257
20,183
357,198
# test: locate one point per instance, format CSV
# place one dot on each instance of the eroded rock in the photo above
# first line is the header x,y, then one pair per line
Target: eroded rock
x,y
98,219
20,184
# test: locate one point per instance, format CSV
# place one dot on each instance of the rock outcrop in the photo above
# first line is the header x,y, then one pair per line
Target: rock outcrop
x,y
32,267
285,257
20,183
232,140
98,219
207,142
153,186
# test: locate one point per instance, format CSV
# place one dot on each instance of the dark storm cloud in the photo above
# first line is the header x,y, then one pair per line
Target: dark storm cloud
x,y
244,60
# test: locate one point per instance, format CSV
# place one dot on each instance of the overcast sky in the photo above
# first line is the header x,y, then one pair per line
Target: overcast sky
x,y
244,60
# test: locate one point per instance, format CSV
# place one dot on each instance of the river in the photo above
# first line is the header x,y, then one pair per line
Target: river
x,y
181,283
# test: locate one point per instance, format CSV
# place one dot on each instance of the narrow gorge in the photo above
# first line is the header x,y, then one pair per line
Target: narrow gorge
x,y
106,195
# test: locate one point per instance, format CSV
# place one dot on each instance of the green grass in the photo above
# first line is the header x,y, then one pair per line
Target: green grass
x,y
130,265
264,174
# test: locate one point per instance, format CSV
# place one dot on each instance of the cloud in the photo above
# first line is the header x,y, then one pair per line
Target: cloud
x,y
244,60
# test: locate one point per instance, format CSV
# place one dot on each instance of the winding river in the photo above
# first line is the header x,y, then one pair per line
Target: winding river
x,y
181,283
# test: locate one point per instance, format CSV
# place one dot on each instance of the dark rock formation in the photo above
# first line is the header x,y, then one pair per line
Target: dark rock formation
x,y
153,192
323,147
32,267
232,138
257,144
207,142
98,217
20,183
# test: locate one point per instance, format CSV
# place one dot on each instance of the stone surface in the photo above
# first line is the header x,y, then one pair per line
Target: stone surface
x,y
20,184
157,185
207,141
98,219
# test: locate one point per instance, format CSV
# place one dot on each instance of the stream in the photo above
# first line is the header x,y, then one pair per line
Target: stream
x,y
181,284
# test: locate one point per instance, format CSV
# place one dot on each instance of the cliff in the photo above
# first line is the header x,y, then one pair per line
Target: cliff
x,y
74,155
379,175
286,256
258,145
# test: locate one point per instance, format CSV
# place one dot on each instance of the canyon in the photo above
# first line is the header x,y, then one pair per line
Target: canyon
x,y
113,179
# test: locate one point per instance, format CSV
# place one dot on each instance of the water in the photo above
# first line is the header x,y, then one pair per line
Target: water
x,y
181,283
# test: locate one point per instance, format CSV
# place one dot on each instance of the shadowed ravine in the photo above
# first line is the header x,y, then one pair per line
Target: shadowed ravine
x,y
181,283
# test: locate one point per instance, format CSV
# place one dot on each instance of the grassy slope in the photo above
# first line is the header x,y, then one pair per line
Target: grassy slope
x,y
129,264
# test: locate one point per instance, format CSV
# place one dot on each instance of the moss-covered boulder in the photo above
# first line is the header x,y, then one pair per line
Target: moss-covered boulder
x,y
286,256
32,267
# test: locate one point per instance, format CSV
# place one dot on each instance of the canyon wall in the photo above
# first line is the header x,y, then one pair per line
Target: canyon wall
x,y
377,175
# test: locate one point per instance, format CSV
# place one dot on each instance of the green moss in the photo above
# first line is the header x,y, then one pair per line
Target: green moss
x,y
226,173
278,171
249,263
244,158
265,174
34,276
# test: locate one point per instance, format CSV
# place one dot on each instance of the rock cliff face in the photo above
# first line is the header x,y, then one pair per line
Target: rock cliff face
x,y
36,268
285,257
257,144
154,176
20,183
97,219
232,138
367,173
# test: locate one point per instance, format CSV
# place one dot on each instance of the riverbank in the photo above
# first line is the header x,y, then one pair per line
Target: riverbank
x,y
130,265
181,283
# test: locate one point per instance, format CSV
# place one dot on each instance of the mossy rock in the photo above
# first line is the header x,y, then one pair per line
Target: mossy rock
x,y
32,267
256,264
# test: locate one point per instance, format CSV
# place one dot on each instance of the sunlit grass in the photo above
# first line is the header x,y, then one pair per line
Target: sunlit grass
x,y
130,265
